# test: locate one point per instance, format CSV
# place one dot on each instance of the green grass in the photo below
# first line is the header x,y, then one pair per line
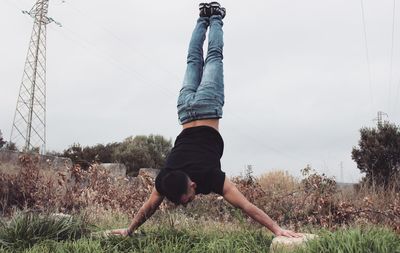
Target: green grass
x,y
172,240
32,233
367,240
27,229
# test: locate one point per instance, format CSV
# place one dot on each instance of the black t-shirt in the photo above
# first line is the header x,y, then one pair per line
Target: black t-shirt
x,y
197,152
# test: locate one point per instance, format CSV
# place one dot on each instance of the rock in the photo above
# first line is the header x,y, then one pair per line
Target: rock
x,y
286,244
101,234
61,216
147,172
116,169
108,233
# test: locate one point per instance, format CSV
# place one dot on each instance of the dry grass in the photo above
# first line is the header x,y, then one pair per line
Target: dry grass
x,y
9,168
279,181
313,201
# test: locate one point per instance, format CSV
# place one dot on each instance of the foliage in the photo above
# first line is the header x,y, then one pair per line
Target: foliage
x,y
27,229
315,201
163,239
280,181
7,145
11,146
26,188
378,154
197,237
98,187
367,240
2,141
143,152
70,190
135,152
84,156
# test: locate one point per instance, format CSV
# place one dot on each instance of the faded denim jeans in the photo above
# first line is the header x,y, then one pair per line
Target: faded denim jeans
x,y
202,94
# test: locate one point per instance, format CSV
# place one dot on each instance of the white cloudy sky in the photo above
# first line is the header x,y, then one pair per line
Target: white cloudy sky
x,y
296,75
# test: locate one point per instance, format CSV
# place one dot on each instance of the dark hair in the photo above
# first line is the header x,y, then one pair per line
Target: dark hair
x,y
174,185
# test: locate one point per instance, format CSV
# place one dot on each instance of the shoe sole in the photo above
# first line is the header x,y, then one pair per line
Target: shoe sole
x,y
215,4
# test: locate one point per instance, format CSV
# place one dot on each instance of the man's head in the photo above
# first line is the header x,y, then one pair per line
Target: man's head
x,y
178,187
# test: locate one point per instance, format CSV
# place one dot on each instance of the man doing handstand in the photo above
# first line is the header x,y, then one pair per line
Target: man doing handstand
x,y
193,165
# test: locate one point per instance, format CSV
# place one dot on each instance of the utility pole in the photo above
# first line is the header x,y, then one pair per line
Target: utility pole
x,y
341,172
29,125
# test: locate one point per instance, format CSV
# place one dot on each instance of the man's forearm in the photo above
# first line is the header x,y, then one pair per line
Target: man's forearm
x,y
261,217
143,214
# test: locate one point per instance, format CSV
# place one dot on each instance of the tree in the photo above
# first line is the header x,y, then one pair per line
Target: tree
x,y
11,146
87,155
142,152
7,145
2,141
75,153
378,154
135,152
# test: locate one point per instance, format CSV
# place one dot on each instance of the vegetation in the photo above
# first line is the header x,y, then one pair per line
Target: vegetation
x,y
6,145
2,141
34,234
359,219
28,229
378,154
366,240
135,152
314,201
143,152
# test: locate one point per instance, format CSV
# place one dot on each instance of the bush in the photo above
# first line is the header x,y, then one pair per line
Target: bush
x,y
27,186
27,229
2,141
315,201
134,152
143,152
378,154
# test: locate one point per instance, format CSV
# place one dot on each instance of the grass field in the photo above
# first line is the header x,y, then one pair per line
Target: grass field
x,y
34,233
358,219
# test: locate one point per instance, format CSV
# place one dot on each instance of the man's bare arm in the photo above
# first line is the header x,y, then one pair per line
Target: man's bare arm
x,y
145,212
236,198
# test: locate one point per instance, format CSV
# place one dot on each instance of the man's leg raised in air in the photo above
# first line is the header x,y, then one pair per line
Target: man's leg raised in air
x,y
194,69
211,88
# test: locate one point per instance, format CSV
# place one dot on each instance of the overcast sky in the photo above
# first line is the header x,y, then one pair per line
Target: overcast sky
x,y
297,84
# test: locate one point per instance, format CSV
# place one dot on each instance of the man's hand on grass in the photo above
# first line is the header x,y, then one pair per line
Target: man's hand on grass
x,y
122,231
288,233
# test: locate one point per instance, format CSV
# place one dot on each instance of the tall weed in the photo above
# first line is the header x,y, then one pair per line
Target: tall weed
x,y
27,229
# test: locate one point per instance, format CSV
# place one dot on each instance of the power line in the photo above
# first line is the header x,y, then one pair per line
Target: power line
x,y
90,46
168,91
124,68
154,62
391,55
397,95
367,53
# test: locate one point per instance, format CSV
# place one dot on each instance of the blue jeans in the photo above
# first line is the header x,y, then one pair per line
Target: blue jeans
x,y
202,94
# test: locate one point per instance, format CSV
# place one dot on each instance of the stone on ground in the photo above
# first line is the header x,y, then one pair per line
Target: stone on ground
x,y
286,244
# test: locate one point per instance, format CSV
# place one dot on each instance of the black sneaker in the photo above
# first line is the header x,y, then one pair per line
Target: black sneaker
x,y
215,5
204,9
222,12
216,9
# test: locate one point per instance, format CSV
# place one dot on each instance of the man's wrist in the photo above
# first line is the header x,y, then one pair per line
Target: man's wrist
x,y
276,229
129,231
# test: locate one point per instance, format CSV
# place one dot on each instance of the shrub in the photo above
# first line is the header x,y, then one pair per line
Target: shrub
x,y
314,201
378,154
27,229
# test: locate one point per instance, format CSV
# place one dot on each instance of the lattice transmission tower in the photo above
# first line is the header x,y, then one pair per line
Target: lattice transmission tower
x,y
29,125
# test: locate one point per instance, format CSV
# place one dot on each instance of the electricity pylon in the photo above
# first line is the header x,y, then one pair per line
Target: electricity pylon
x,y
29,125
379,119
